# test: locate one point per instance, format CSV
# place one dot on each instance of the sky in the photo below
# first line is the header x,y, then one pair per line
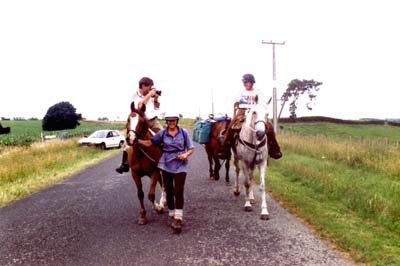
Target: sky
x,y
93,53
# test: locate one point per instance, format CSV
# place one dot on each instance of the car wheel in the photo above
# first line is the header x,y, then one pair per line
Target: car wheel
x,y
120,144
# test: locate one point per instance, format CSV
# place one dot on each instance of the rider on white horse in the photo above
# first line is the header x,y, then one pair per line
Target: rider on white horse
x,y
243,102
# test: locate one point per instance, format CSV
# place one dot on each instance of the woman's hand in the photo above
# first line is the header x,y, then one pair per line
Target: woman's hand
x,y
182,156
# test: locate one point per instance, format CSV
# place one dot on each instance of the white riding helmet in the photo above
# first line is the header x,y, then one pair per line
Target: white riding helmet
x,y
171,116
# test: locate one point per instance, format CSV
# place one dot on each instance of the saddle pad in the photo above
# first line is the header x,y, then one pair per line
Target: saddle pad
x,y
202,131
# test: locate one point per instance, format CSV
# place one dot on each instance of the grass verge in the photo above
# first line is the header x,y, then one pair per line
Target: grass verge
x,y
25,170
348,192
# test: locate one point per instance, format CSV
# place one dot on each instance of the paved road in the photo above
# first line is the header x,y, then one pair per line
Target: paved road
x,y
91,219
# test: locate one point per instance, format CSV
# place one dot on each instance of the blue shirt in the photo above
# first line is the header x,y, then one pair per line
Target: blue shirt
x,y
173,146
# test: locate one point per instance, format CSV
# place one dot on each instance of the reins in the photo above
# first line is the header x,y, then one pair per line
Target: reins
x,y
253,147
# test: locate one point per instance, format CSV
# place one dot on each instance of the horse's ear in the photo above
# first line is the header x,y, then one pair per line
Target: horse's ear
x,y
143,108
133,107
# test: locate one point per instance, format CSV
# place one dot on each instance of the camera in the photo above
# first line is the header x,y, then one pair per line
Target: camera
x,y
158,92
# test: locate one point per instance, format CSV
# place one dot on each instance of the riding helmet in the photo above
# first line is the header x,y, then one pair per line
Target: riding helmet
x,y
248,78
171,116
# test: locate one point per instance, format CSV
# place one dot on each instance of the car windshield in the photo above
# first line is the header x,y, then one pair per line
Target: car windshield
x,y
98,134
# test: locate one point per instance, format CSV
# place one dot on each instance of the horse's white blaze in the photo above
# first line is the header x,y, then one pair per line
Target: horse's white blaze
x,y
260,127
133,121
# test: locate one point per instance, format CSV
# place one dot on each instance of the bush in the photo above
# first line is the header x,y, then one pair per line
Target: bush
x,y
395,124
61,116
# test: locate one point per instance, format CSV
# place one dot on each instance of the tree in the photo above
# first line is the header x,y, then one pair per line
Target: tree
x,y
61,116
295,89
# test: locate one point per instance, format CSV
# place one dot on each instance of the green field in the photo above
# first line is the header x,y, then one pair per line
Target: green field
x,y
26,132
347,189
389,133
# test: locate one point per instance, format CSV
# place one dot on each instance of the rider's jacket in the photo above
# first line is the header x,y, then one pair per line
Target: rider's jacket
x,y
246,98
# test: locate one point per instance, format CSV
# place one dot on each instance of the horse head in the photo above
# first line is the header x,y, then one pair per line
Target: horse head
x,y
255,120
137,125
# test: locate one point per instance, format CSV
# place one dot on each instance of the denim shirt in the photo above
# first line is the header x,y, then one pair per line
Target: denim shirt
x,y
173,146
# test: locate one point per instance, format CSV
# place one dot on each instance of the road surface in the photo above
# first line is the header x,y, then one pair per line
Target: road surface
x,y
91,219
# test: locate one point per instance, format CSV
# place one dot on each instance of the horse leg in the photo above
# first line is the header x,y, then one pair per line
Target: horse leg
x,y
138,182
210,162
251,193
163,199
236,189
247,181
217,166
227,166
264,210
152,192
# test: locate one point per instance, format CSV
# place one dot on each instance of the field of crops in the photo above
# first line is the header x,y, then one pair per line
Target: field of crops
x,y
26,132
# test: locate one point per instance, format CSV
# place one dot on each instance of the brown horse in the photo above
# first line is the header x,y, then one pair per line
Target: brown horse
x,y
143,161
213,148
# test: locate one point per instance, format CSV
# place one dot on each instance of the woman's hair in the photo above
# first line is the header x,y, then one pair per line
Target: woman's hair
x,y
145,81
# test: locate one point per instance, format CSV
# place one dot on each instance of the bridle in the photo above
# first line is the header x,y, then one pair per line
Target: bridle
x,y
256,148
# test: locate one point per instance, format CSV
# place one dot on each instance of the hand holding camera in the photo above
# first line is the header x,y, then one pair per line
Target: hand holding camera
x,y
154,92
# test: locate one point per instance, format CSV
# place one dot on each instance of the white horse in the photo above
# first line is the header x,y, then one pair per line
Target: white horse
x,y
250,148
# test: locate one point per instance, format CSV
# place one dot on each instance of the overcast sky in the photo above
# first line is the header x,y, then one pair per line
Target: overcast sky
x,y
92,54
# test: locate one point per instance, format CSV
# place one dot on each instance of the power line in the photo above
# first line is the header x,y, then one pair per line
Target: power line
x,y
274,96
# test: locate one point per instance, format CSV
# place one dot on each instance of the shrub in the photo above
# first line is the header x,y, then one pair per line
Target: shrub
x,y
61,116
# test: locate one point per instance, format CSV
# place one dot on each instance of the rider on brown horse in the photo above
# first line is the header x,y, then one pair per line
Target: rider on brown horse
x,y
243,101
145,95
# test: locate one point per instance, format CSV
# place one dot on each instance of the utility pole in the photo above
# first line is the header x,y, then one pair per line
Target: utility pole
x,y
212,102
274,96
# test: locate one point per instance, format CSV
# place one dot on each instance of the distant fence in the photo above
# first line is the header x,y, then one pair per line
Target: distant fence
x,y
316,119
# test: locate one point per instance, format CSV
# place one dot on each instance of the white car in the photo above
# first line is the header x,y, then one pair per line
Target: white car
x,y
104,139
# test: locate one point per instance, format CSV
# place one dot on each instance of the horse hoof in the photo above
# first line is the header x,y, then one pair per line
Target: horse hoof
x,y
211,177
264,217
252,201
216,178
247,209
160,211
142,221
236,193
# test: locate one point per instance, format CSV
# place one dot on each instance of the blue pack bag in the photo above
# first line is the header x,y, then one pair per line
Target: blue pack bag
x,y
202,131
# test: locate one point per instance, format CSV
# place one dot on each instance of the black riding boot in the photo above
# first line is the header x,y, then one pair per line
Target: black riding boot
x,y
124,167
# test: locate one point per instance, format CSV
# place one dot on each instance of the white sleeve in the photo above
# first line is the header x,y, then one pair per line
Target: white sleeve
x,y
238,96
261,98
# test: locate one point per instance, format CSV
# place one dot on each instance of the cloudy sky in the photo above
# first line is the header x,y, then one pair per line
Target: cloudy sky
x,y
92,53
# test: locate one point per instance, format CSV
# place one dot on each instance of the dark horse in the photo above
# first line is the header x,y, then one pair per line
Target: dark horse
x,y
143,161
213,148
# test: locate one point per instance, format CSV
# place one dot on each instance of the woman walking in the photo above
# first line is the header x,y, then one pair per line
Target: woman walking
x,y
177,146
